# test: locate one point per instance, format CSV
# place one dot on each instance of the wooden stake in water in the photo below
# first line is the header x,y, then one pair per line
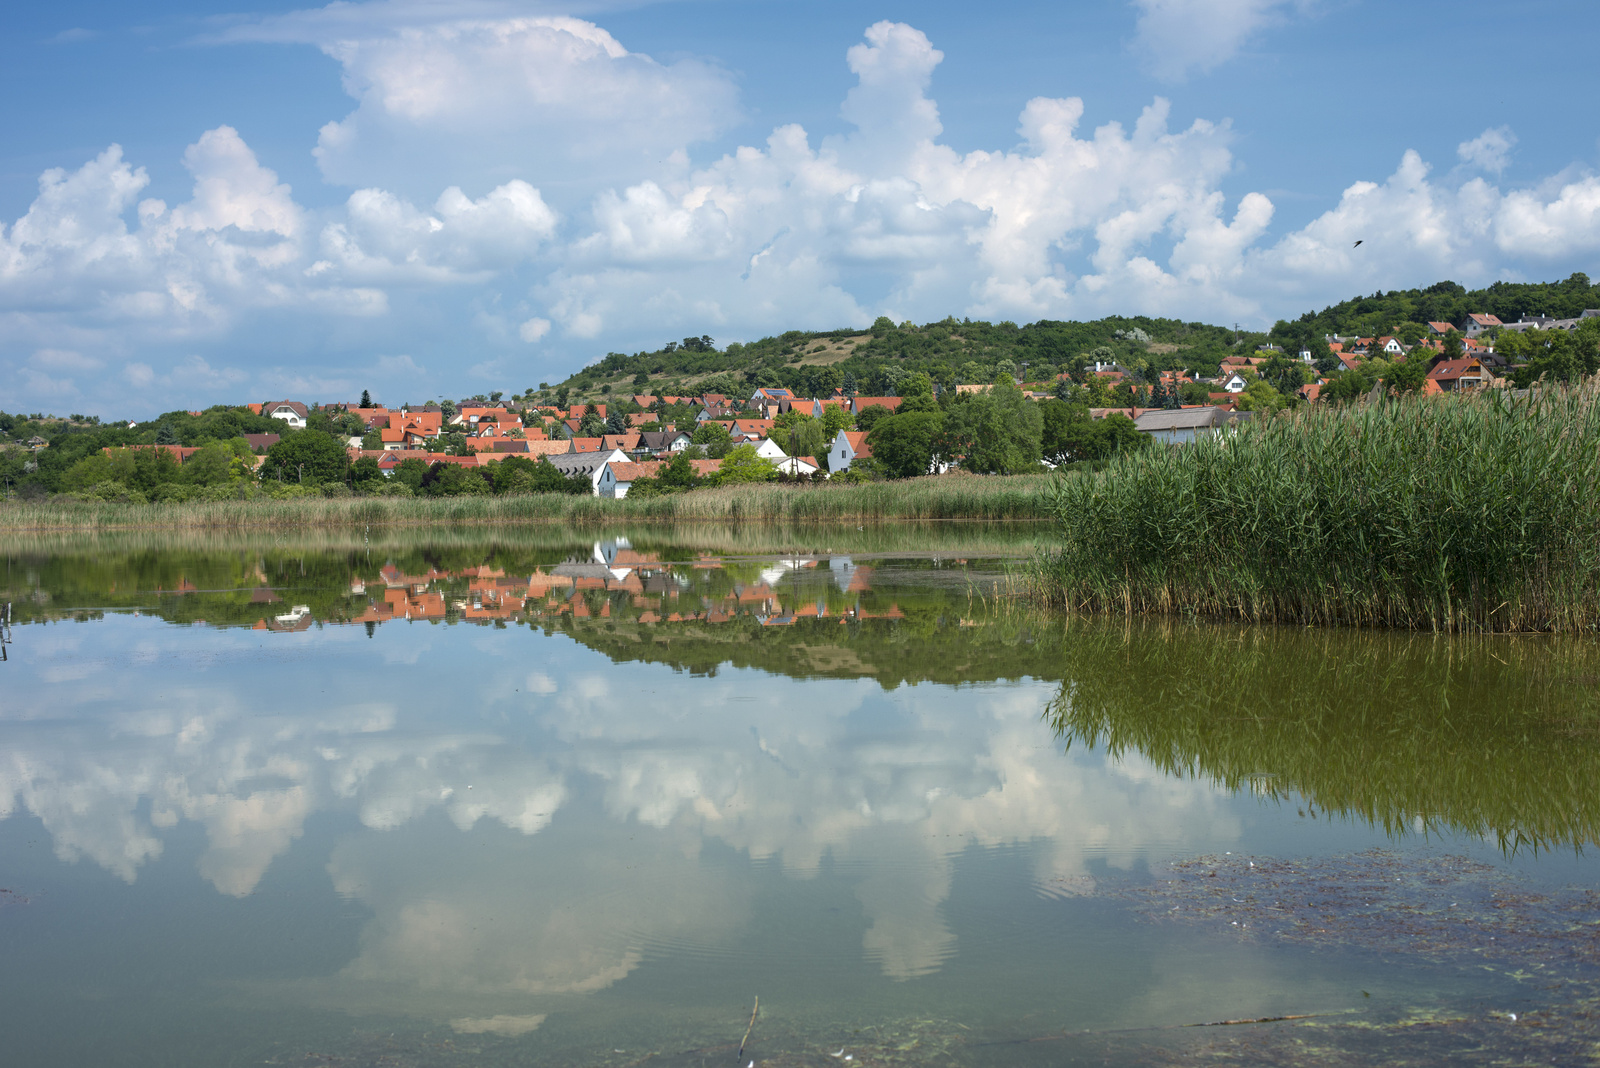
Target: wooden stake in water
x,y
747,1030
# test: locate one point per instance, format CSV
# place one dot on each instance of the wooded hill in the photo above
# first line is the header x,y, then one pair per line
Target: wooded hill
x,y
814,363
874,362
1405,313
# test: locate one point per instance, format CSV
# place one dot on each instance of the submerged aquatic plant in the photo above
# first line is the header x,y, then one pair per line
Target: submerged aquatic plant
x,y
1460,512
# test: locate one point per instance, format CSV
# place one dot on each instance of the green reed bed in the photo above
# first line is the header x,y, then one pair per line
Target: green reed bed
x,y
946,497
1485,735
670,541
1474,512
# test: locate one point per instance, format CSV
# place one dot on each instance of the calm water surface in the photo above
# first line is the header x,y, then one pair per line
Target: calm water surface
x,y
582,799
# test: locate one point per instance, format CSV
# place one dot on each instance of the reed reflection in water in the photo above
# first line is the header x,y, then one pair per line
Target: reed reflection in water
x,y
1489,735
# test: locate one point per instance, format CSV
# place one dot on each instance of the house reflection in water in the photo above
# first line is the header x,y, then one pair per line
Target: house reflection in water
x,y
615,582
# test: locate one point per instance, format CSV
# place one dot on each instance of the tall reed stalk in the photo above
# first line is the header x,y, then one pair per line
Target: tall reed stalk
x,y
1019,497
1471,512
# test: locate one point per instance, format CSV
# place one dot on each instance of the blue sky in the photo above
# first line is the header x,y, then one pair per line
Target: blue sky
x,y
426,199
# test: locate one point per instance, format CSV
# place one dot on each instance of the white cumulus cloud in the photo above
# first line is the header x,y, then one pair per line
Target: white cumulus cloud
x,y
1177,38
385,239
541,99
1489,151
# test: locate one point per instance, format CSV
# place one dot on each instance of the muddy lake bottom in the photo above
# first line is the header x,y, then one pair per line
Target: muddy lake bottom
x,y
582,802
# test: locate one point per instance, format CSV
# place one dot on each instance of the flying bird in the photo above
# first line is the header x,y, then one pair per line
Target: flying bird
x,y
1358,243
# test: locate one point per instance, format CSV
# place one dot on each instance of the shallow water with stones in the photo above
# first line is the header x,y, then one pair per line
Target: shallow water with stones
x,y
560,798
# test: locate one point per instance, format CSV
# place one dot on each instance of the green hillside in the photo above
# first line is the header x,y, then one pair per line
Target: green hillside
x,y
1405,313
953,351
874,362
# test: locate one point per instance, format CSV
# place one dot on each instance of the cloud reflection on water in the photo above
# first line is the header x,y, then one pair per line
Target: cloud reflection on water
x,y
609,780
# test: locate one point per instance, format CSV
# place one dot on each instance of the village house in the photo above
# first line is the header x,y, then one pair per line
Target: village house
x,y
472,416
848,447
805,406
798,466
411,429
1478,322
658,441
591,465
1465,373
768,401
743,430
717,411
291,412
260,443
1232,382
531,447
626,442
1179,426
860,404
620,476
1544,322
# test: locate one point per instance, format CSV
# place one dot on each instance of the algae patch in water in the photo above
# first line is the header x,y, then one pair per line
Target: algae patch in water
x,y
1446,909
905,1043
1443,911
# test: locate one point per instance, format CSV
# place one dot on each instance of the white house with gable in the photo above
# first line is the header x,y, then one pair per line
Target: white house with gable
x,y
291,412
768,449
592,465
848,446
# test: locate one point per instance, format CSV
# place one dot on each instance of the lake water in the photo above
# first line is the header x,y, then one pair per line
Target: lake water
x,y
561,798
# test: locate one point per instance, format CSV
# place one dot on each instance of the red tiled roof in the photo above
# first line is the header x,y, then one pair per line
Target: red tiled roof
x,y
1445,370
890,403
628,472
858,442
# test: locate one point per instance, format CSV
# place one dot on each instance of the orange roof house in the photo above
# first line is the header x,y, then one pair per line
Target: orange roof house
x,y
1465,373
858,403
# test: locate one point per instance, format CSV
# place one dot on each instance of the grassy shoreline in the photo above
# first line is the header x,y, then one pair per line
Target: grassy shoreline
x,y
987,499
686,541
1456,513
